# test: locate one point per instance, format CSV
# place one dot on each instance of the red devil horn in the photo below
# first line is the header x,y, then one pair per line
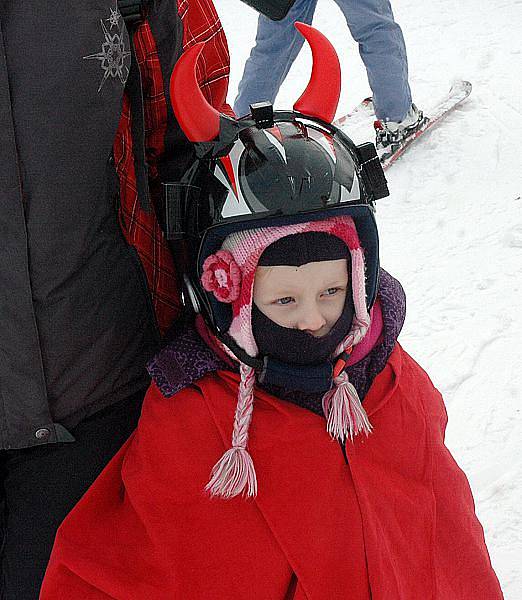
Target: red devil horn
x,y
196,117
321,96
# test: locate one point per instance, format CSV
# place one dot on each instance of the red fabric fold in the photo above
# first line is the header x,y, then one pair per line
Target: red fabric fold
x,y
396,522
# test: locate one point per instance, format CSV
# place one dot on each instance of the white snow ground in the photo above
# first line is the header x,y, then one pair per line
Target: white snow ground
x,y
452,231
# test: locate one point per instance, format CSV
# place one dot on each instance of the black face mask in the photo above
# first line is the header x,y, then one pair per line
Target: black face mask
x,y
296,347
292,346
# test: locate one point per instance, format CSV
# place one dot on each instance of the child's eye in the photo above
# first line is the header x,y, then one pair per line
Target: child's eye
x,y
332,291
285,300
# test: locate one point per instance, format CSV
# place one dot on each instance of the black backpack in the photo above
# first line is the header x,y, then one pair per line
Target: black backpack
x,y
130,10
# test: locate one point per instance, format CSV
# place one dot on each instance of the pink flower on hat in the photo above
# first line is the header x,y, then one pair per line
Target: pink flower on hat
x,y
222,276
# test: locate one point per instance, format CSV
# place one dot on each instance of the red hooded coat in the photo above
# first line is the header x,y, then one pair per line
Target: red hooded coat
x,y
394,521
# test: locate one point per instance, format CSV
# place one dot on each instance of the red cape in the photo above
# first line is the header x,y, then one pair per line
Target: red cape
x,y
395,523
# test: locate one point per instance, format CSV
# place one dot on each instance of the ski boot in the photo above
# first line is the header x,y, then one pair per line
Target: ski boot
x,y
390,135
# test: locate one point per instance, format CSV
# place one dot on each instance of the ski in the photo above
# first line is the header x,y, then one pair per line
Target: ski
x,y
458,92
363,109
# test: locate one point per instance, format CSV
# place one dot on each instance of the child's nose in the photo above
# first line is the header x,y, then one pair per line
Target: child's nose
x,y
311,320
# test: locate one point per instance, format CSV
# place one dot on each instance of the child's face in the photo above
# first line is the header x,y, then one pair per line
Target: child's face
x,y
309,298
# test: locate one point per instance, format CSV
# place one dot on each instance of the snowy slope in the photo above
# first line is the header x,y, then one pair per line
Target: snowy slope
x,y
452,231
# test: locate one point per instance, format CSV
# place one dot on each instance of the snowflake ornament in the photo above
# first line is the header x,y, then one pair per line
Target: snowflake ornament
x,y
114,57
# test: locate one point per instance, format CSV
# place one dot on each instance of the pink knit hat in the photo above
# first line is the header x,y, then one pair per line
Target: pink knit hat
x,y
229,274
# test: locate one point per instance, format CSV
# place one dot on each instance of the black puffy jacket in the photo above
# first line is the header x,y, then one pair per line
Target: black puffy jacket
x,y
77,318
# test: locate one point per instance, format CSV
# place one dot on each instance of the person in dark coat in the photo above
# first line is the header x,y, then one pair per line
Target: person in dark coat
x,y
289,448
87,282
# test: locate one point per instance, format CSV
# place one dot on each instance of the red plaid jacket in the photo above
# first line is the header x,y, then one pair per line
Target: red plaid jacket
x,y
198,21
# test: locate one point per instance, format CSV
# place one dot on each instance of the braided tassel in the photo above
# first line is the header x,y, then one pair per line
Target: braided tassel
x,y
345,414
342,407
234,473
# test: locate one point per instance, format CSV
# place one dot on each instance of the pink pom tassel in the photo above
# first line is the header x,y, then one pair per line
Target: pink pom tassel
x,y
345,414
233,474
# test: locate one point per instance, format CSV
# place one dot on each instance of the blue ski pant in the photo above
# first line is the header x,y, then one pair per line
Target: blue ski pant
x,y
372,26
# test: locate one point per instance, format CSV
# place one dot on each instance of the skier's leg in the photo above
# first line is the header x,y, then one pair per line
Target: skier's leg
x,y
277,45
383,51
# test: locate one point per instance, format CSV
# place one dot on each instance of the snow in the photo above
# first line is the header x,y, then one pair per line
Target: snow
x,y
451,231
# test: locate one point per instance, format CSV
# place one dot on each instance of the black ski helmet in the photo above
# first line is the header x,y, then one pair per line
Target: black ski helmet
x,y
268,169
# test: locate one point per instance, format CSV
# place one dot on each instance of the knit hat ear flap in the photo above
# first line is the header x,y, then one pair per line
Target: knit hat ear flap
x,y
234,472
342,407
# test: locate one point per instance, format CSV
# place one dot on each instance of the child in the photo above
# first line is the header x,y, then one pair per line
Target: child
x,y
331,479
